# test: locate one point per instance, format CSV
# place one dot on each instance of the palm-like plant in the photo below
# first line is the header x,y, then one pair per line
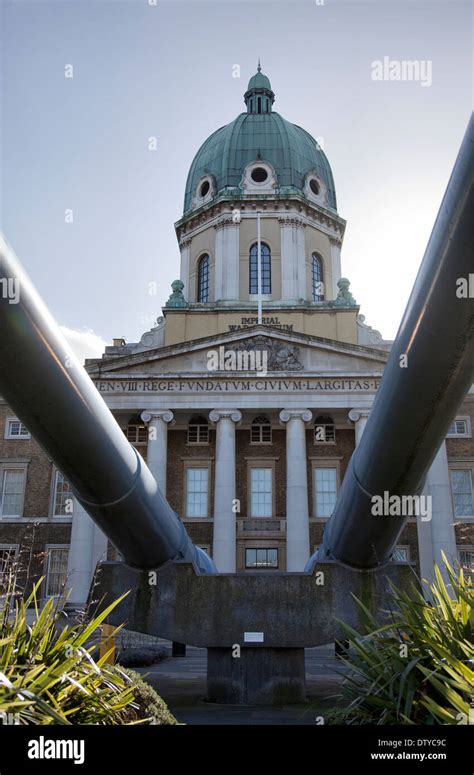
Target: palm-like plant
x,y
48,674
419,667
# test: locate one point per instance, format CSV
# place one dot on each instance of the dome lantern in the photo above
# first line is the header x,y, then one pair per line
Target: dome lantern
x,y
259,96
298,162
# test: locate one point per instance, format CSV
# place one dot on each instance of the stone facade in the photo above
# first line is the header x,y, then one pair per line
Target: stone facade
x,y
255,503
36,530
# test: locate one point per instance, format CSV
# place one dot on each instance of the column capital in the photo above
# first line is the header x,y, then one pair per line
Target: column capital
x,y
225,414
225,222
157,414
358,414
295,414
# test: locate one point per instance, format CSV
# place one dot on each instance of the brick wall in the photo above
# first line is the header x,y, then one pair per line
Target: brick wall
x,y
40,468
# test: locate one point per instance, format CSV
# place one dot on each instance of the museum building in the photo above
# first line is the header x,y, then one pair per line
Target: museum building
x,y
247,423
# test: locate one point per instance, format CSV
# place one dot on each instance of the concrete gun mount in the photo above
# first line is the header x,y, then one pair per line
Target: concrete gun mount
x,y
271,618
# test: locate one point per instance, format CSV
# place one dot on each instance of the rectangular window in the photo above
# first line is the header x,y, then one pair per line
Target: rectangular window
x,y
15,429
324,433
461,486
198,433
401,554
136,434
13,487
62,496
261,492
460,427
8,557
325,485
197,492
261,558
56,572
261,432
466,561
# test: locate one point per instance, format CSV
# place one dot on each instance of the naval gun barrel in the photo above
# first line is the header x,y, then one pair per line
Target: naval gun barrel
x,y
50,391
428,373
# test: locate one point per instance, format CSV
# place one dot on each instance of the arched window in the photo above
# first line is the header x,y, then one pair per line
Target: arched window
x,y
198,430
203,279
266,260
261,431
259,104
324,430
317,277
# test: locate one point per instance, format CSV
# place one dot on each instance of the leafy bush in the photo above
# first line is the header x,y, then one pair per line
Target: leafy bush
x,y
48,674
419,668
149,702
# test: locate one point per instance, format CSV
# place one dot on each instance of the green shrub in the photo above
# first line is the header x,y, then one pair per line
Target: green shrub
x,y
48,674
419,668
149,702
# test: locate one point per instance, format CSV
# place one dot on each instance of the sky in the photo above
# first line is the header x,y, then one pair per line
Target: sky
x,y
143,69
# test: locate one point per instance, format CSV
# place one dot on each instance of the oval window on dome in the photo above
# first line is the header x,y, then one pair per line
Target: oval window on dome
x,y
204,188
314,186
259,175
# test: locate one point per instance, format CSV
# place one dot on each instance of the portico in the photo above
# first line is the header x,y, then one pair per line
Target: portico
x,y
239,455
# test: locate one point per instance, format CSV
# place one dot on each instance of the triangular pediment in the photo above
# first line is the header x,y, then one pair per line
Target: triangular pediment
x,y
286,352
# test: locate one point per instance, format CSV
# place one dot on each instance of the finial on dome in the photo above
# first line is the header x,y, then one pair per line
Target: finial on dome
x,y
259,69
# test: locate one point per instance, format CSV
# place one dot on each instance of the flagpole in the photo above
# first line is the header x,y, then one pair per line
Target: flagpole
x,y
259,270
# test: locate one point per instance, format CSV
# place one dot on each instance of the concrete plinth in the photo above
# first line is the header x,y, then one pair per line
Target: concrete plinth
x,y
268,618
259,676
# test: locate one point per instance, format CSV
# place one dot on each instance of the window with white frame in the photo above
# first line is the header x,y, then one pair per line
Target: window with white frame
x,y
460,427
8,558
198,431
56,569
197,492
15,429
12,492
137,432
461,488
324,430
261,492
261,431
325,487
401,554
259,559
63,502
466,560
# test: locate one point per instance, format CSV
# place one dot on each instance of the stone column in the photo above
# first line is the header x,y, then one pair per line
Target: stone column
x,y
293,259
359,417
335,266
443,536
226,271
157,421
185,248
81,560
224,544
297,515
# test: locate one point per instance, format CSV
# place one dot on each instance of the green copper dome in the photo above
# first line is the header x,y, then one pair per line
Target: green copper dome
x,y
261,134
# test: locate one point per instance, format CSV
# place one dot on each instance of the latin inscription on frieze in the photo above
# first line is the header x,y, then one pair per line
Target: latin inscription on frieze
x,y
239,385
